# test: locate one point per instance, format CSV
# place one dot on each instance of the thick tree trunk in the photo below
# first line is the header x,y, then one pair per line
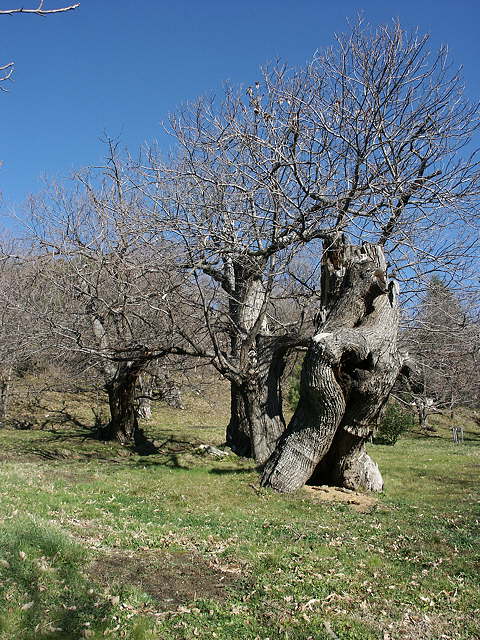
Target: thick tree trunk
x,y
348,372
121,390
256,417
256,420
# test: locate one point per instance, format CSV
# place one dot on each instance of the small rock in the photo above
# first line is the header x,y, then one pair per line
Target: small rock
x,y
213,451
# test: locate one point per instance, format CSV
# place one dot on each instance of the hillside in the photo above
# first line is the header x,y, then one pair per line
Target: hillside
x,y
100,541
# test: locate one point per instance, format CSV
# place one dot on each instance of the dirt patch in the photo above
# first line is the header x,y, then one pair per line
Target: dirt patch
x,y
18,457
172,578
360,502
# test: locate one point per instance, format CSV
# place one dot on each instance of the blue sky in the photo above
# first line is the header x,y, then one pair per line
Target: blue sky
x,y
121,66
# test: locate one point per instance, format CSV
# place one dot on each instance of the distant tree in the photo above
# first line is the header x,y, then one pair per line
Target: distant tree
x,y
10,347
97,291
443,342
16,348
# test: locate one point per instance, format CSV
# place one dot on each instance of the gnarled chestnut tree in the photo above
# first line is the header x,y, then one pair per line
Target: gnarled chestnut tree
x,y
367,142
97,290
349,369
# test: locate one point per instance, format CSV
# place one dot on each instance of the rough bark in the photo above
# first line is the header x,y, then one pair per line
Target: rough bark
x,y
121,390
348,372
256,417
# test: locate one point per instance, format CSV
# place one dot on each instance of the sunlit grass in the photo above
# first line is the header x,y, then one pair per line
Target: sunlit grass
x,y
294,568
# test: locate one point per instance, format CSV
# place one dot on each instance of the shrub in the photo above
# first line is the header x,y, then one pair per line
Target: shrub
x,y
392,424
293,393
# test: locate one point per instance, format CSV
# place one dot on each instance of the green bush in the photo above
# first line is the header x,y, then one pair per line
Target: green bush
x,y
293,393
393,423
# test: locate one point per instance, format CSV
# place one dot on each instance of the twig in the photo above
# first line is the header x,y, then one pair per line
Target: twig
x,y
39,11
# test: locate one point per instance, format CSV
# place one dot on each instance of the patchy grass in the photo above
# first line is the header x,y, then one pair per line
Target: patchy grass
x,y
99,541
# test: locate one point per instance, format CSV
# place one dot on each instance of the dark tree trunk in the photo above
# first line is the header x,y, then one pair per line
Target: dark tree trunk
x,y
238,429
121,390
348,372
256,420
4,393
256,417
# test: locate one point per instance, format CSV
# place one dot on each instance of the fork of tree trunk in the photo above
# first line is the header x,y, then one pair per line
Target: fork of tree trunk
x,y
350,366
349,369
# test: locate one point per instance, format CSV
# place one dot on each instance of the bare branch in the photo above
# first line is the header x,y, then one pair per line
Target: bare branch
x,y
39,11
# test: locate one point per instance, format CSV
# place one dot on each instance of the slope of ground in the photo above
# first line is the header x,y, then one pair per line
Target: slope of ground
x,y
99,541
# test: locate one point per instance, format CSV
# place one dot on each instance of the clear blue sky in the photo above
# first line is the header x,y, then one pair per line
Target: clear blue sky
x,y
122,66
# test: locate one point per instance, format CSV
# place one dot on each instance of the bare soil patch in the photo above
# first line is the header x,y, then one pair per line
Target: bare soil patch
x,y
18,458
172,578
360,502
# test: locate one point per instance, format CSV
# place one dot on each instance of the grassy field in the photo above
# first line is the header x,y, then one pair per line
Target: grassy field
x,y
97,541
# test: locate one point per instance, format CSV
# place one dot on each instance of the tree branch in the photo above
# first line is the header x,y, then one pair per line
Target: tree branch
x,y
39,11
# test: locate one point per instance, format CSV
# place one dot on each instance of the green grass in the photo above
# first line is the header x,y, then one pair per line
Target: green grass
x,y
177,525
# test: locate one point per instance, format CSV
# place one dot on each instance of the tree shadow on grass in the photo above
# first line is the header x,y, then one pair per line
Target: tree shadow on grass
x,y
233,471
468,436
169,452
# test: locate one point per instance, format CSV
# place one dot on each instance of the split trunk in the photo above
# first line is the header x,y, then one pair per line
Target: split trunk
x,y
348,372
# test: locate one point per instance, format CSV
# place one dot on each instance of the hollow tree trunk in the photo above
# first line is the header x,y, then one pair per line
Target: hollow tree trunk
x,y
121,390
256,417
348,372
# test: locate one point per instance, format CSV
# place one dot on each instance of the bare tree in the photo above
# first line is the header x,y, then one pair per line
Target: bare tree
x,y
239,269
97,290
366,146
442,340
10,337
16,347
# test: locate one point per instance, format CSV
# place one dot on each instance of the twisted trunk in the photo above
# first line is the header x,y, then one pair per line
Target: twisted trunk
x,y
348,372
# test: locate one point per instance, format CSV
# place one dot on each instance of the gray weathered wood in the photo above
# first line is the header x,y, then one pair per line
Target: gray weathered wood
x,y
348,372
